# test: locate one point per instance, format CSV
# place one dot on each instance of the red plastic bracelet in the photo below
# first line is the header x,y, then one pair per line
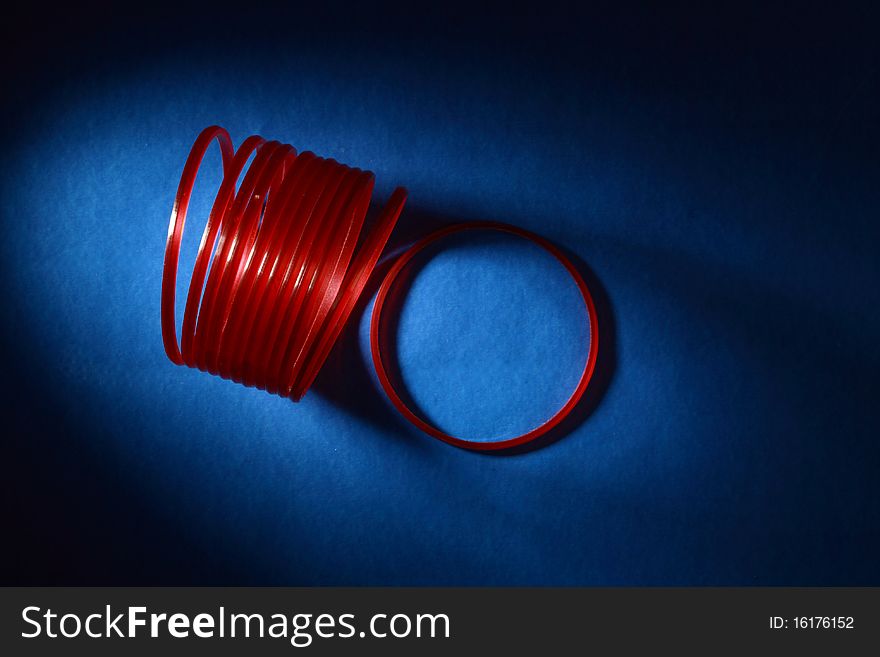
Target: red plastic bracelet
x,y
387,385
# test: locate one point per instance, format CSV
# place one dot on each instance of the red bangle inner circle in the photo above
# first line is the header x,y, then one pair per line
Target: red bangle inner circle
x,y
396,399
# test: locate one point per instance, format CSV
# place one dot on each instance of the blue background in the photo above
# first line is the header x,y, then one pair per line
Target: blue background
x,y
715,175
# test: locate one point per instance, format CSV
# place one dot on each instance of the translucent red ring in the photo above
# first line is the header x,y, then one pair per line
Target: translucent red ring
x,y
388,386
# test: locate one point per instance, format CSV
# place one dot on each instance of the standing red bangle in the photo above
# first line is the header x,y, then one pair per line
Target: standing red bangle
x,y
401,406
281,265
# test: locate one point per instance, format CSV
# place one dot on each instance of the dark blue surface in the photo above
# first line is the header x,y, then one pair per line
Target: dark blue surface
x,y
715,174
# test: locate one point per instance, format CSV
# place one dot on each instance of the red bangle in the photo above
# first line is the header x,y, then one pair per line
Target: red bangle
x,y
388,386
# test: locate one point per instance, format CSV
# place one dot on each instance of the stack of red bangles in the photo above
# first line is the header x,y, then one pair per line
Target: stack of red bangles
x,y
267,307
